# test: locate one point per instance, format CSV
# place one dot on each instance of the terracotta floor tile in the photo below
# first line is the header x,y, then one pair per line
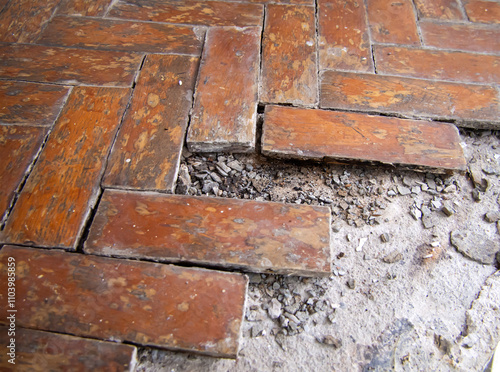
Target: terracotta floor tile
x,y
255,236
22,20
18,148
56,199
30,104
368,92
393,21
93,8
467,37
439,9
139,302
45,351
317,134
289,72
68,66
122,35
434,64
225,109
207,13
344,43
146,154
483,11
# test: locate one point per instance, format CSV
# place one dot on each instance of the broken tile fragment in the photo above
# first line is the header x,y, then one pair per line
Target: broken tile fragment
x,y
143,303
147,151
289,73
38,350
62,188
225,109
250,235
316,134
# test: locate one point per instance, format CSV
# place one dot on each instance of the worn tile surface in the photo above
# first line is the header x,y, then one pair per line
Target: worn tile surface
x,y
18,148
147,151
122,35
22,20
67,66
255,236
39,351
208,13
433,64
56,200
439,9
289,71
317,134
225,108
92,8
483,11
344,43
30,104
368,92
140,302
473,37
385,18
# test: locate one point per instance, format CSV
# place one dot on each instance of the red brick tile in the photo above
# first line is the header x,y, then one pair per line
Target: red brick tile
x,y
317,134
31,104
289,73
3,3
468,37
208,13
414,97
95,8
68,66
255,236
56,199
18,148
439,9
22,20
393,21
45,351
139,302
225,109
343,43
131,36
291,2
147,151
430,64
483,11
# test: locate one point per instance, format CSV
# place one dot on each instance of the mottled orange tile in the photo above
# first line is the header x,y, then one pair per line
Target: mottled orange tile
x,y
63,186
29,103
93,8
207,13
68,66
225,109
393,21
413,97
483,11
468,37
439,9
434,64
21,21
143,303
317,134
289,73
18,148
343,42
39,351
80,32
229,233
146,154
